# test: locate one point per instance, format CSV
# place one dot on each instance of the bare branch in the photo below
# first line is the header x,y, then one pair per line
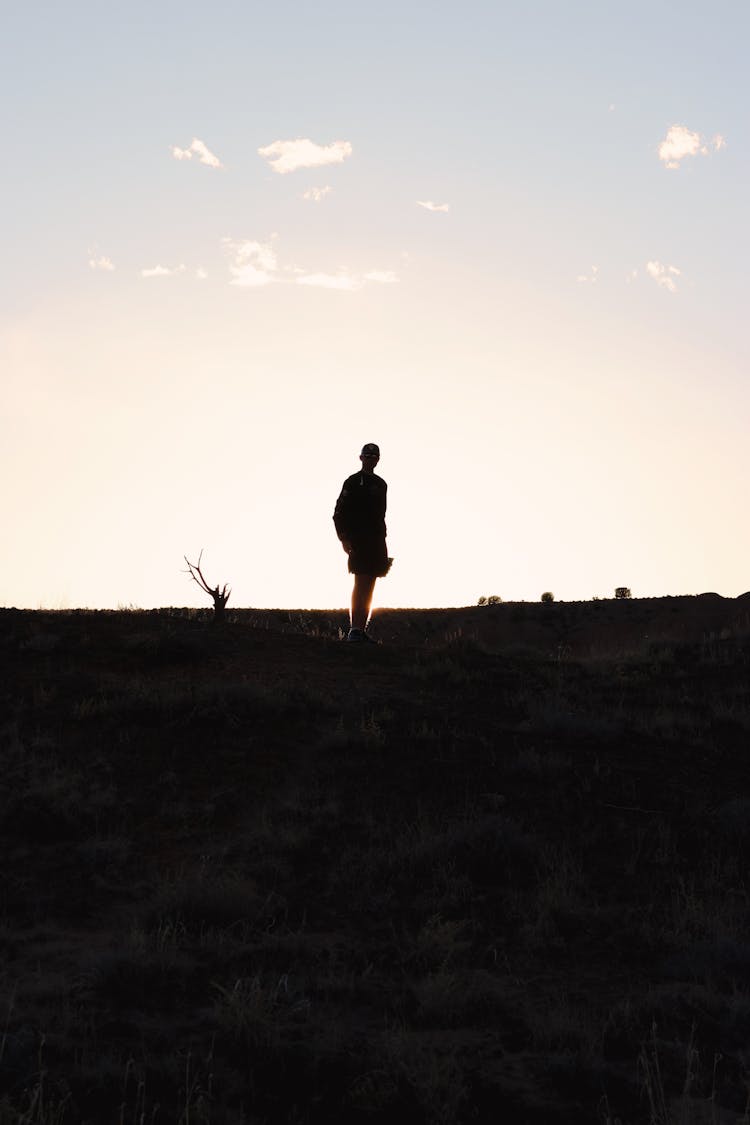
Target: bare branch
x,y
195,573
220,596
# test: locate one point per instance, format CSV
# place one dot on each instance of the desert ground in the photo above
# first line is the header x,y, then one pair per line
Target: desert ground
x,y
494,868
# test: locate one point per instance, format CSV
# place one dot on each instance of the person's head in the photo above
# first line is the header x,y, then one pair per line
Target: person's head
x,y
369,456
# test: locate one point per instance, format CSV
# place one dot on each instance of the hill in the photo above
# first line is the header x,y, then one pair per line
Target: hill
x,y
493,868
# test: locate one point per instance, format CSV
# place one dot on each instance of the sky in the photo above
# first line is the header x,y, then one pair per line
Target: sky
x,y
507,242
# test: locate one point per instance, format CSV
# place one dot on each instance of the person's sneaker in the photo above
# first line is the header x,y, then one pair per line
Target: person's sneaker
x,y
370,640
356,636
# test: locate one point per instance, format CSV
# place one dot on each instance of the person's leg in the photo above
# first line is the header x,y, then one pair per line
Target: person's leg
x,y
364,585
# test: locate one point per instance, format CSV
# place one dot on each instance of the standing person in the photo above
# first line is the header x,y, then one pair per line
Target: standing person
x,y
359,519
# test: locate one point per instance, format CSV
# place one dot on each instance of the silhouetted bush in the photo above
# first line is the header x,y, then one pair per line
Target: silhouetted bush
x,y
622,592
548,597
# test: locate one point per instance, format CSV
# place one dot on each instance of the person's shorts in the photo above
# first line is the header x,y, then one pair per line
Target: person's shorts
x,y
369,557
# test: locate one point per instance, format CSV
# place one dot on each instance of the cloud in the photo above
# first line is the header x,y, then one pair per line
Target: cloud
x,y
345,280
200,274
163,271
340,280
288,156
680,142
252,264
590,277
663,275
317,193
430,206
197,148
101,263
383,277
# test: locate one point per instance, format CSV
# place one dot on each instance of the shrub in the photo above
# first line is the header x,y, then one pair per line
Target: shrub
x,y
548,597
622,592
493,599
482,600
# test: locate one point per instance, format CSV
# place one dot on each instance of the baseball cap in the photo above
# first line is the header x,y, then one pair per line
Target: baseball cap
x,y
370,450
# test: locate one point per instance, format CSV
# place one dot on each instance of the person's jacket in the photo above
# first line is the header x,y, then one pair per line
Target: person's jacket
x,y
360,508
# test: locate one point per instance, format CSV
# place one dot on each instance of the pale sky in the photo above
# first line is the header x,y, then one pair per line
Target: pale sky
x,y
506,242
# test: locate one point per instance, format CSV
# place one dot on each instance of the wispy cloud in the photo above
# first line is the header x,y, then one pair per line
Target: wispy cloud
x,y
664,276
251,264
163,271
288,156
315,194
430,206
590,277
383,277
340,280
681,142
345,280
199,149
101,263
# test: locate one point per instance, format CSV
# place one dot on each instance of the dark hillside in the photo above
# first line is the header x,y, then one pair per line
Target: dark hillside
x,y
494,869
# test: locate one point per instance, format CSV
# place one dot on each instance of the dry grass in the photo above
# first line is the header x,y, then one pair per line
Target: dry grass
x,y
253,876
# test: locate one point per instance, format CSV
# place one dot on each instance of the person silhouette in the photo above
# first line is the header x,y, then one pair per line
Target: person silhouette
x,y
359,519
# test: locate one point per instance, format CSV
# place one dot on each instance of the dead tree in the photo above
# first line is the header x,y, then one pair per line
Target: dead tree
x,y
219,594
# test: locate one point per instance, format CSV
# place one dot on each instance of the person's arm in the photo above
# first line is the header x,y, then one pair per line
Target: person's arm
x,y
342,517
